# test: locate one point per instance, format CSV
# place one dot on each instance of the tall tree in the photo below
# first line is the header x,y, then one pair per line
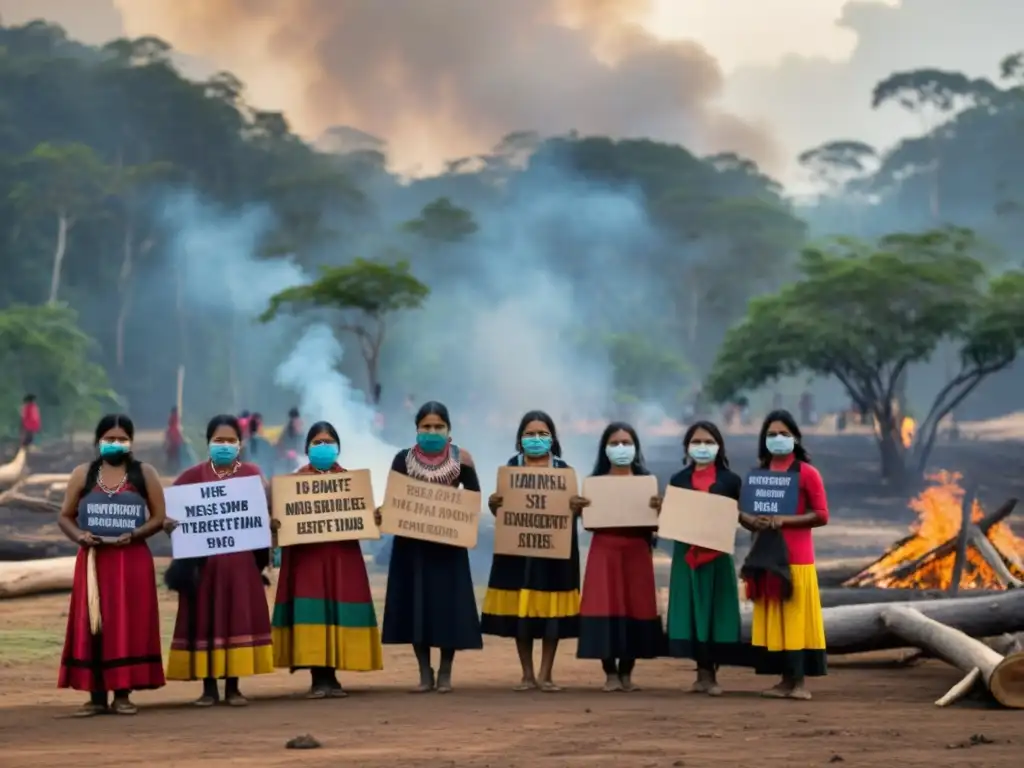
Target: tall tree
x,y
441,221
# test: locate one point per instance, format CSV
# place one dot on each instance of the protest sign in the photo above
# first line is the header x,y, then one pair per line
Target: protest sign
x,y
218,518
700,519
109,517
535,519
620,502
430,511
770,493
334,506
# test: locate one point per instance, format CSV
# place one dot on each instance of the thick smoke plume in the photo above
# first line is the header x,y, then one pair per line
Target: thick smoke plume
x,y
448,78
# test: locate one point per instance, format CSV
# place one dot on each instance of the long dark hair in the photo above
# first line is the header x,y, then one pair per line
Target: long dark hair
x,y
322,426
132,466
434,408
721,460
764,457
603,465
556,447
223,420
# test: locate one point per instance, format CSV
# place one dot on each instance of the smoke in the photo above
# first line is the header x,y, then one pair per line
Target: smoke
x,y
448,78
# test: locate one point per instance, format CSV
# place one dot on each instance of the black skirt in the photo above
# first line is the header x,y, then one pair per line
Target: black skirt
x,y
430,599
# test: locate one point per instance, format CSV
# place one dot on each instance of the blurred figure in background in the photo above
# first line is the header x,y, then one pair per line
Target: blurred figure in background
x,y
291,443
243,421
31,421
257,449
174,443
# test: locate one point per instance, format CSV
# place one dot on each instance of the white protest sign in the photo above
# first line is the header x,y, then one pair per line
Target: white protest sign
x,y
218,518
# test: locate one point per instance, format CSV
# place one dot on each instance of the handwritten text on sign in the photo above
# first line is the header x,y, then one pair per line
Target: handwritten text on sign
x,y
108,517
430,511
337,506
218,518
535,519
770,493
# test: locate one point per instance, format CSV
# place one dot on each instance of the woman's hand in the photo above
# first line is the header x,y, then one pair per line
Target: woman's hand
x,y
86,539
377,517
275,524
494,502
578,503
763,523
169,525
124,538
656,503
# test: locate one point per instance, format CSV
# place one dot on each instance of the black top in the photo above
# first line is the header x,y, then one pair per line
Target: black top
x,y
727,483
467,475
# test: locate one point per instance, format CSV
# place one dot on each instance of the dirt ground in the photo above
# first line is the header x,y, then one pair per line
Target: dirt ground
x,y
867,712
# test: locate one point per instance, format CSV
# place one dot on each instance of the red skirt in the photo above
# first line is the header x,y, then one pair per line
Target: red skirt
x,y
619,608
126,654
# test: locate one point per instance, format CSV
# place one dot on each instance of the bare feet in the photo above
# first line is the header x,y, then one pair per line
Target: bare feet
x,y
627,684
800,693
526,684
547,686
612,684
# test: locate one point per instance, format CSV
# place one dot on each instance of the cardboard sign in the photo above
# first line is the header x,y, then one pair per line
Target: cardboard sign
x,y
620,502
770,493
334,506
701,519
430,511
535,519
218,518
109,517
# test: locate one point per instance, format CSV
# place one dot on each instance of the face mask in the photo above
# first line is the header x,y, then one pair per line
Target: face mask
x,y
703,453
780,445
323,455
223,454
620,455
431,442
114,453
537,446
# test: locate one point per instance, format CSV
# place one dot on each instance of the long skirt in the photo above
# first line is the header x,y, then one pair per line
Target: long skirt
x,y
704,611
533,597
430,599
323,613
225,630
788,637
619,610
126,654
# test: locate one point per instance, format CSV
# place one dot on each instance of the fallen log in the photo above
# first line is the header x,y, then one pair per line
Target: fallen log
x,y
34,577
1006,644
838,596
859,628
12,470
991,555
960,561
1002,676
20,551
33,503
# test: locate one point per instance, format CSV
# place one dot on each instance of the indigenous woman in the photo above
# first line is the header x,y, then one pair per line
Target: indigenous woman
x,y
531,598
222,630
324,618
704,599
430,601
619,621
113,634
788,634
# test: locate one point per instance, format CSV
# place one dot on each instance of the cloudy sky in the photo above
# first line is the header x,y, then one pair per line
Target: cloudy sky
x,y
447,78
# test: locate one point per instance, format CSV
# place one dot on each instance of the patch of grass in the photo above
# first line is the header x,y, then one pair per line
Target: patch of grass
x,y
24,646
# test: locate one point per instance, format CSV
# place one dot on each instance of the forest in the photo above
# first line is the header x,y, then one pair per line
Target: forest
x,y
150,224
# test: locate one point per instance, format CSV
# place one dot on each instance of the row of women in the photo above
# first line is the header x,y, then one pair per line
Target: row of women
x,y
324,618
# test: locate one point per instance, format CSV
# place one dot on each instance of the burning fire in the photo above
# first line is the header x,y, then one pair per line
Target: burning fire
x,y
939,513
907,431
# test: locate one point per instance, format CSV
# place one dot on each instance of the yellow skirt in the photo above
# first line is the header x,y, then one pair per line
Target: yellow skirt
x,y
221,663
789,636
531,613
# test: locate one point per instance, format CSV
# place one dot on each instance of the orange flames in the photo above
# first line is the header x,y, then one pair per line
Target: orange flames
x,y
939,513
908,429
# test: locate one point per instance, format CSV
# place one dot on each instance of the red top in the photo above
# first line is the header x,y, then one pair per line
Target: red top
x,y
203,473
30,418
173,434
800,541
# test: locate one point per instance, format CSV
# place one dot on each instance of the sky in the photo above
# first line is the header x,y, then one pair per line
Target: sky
x,y
441,79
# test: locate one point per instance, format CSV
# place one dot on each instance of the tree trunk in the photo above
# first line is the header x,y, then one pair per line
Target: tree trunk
x,y
833,597
35,577
960,561
859,628
1003,677
894,468
63,227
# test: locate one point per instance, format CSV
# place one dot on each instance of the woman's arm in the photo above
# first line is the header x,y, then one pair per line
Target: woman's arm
x,y
815,502
469,477
155,502
68,519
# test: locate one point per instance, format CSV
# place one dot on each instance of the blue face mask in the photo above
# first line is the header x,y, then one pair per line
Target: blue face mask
x,y
431,442
536,446
620,455
322,456
223,454
703,453
780,445
114,453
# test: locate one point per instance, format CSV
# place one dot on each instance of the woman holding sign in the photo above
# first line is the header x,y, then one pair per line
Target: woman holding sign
x,y
430,601
324,618
788,633
532,598
113,631
619,621
704,597
222,630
